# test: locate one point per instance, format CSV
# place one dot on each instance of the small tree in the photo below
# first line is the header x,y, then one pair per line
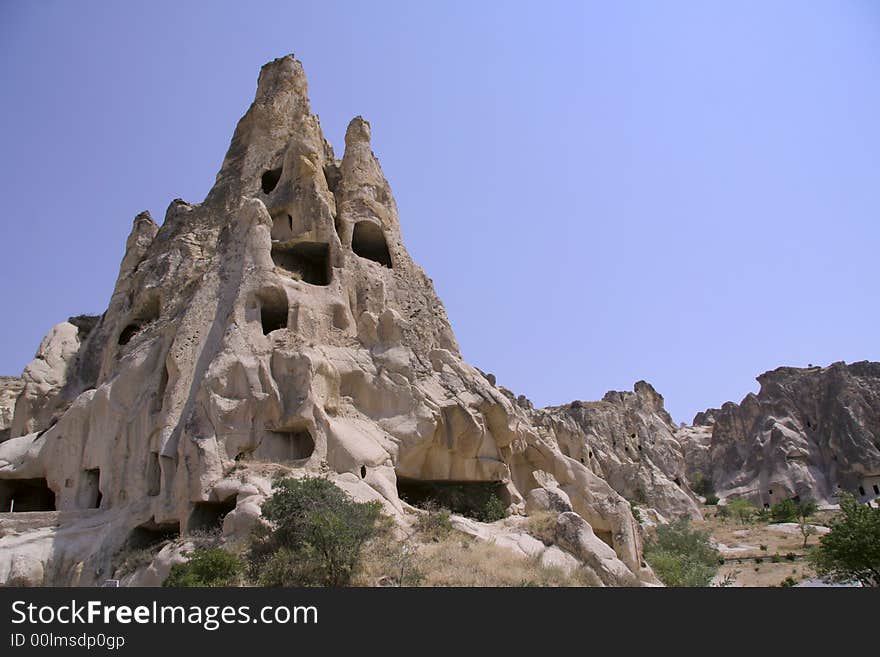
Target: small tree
x,y
851,550
805,510
741,509
681,555
316,537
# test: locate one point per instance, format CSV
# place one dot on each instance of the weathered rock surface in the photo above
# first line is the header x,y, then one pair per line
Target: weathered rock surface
x,y
279,326
627,439
809,432
10,389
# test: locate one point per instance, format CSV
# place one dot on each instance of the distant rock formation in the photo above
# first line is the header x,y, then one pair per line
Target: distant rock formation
x,y
281,327
10,389
629,440
809,432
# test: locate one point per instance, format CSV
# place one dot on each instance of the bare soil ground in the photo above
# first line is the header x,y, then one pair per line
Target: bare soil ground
x,y
761,554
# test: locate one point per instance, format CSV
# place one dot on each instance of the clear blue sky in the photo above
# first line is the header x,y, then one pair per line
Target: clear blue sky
x,y
682,192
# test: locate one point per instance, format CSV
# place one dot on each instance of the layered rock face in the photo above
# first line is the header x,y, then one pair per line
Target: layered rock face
x,y
809,432
279,326
629,440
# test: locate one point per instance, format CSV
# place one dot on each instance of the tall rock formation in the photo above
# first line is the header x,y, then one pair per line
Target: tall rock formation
x,y
279,326
809,432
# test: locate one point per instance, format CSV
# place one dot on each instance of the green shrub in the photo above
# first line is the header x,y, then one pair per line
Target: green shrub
x,y
206,567
775,558
492,510
791,556
788,582
851,550
741,509
635,511
763,515
711,499
702,486
784,511
763,547
316,536
681,555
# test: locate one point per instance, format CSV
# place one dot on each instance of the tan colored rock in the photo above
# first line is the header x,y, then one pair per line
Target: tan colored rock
x,y
10,389
629,440
279,327
809,432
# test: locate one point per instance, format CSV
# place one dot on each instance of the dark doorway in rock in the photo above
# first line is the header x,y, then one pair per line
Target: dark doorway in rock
x,y
208,516
876,489
154,474
467,498
25,495
364,473
274,310
297,445
151,533
149,311
368,241
308,261
90,491
269,180
861,490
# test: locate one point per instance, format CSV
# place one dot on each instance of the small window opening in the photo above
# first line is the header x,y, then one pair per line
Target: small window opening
x,y
363,472
270,180
766,505
368,241
861,490
876,489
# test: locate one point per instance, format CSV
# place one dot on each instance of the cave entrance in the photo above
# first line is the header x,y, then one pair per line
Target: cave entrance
x,y
150,311
25,495
292,445
466,498
151,533
274,310
208,516
309,261
368,241
90,489
269,180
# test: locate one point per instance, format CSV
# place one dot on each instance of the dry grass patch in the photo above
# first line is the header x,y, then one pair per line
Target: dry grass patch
x,y
542,525
463,561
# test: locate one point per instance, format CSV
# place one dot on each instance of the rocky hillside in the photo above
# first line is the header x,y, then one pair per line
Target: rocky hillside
x,y
629,440
809,432
278,326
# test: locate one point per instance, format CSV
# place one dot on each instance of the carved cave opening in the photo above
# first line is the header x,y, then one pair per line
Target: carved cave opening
x,y
150,534
466,498
154,475
274,310
149,312
90,491
269,180
368,241
289,445
309,261
25,495
208,516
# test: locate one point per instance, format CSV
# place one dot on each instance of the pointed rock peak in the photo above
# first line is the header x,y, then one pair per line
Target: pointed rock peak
x,y
280,76
143,223
358,132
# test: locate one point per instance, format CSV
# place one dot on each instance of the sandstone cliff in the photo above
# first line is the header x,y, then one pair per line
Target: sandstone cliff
x,y
809,432
280,326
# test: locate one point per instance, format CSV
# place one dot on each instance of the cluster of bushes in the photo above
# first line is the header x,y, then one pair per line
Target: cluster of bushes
x,y
681,555
316,537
